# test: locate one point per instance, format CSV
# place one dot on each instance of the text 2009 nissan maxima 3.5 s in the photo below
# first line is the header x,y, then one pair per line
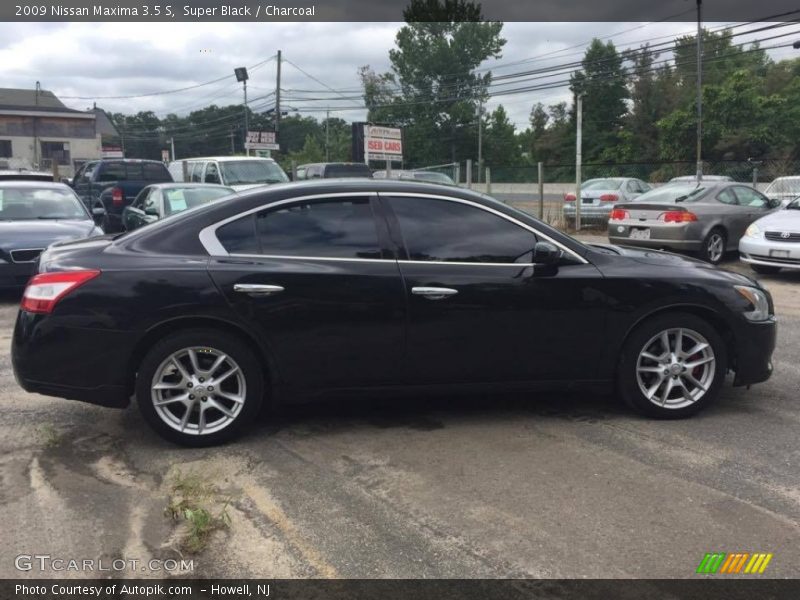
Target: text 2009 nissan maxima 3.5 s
x,y
300,290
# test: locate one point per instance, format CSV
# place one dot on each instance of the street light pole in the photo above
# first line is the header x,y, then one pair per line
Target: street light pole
x,y
699,90
241,75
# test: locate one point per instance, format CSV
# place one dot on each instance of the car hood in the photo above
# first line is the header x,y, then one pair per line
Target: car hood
x,y
781,220
659,258
40,234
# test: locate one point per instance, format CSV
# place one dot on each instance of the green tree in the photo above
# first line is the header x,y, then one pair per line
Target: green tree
x,y
603,84
500,147
433,90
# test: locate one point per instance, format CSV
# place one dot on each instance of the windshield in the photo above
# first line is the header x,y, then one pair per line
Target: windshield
x,y
602,184
22,203
433,177
180,199
783,186
670,193
245,172
357,170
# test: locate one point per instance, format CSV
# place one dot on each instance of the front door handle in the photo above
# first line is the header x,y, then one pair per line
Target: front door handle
x,y
433,293
257,289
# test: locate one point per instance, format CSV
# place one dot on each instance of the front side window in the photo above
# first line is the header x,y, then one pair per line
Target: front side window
x,y
449,231
727,197
749,197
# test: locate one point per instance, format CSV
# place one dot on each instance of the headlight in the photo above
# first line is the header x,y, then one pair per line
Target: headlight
x,y
752,231
757,299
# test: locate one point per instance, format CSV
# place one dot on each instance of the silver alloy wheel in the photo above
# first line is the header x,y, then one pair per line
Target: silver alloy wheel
x,y
675,368
716,247
198,390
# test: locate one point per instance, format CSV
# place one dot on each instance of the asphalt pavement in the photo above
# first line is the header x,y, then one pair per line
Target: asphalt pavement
x,y
461,486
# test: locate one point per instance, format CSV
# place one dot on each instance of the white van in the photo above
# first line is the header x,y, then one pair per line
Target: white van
x,y
237,172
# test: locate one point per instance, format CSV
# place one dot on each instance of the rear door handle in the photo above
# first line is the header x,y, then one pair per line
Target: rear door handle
x,y
433,293
257,289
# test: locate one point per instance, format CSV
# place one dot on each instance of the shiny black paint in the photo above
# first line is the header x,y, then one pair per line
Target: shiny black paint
x,y
354,325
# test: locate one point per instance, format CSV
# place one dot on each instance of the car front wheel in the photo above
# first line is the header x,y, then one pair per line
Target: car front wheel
x,y
199,387
713,249
672,366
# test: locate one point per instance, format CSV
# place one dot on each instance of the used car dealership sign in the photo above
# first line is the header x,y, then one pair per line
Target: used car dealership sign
x,y
383,143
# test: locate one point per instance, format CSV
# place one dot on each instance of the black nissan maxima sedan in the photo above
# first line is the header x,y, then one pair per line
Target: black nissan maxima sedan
x,y
342,286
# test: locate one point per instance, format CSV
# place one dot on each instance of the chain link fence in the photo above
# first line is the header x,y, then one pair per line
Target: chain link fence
x,y
519,186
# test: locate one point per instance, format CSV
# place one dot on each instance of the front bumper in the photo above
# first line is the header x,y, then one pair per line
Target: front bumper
x,y
90,365
16,275
754,345
760,251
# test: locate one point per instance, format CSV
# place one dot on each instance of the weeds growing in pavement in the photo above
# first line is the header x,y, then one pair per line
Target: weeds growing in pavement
x,y
196,501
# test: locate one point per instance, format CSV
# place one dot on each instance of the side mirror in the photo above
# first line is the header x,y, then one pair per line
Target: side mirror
x,y
545,253
97,214
151,210
774,203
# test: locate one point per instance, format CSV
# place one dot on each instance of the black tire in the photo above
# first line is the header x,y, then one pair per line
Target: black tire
x,y
765,269
209,340
628,383
706,252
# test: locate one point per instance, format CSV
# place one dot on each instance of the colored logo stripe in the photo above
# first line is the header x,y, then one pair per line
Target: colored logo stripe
x,y
714,562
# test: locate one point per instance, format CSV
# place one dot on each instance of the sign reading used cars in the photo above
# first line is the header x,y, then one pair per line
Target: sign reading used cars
x,y
261,140
383,143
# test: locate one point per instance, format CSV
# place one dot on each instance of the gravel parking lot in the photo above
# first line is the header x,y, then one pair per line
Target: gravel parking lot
x,y
485,486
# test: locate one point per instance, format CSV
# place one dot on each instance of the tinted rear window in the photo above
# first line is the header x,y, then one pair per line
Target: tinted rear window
x,y
121,171
347,171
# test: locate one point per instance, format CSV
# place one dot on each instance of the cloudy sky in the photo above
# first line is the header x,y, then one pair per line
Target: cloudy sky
x,y
91,62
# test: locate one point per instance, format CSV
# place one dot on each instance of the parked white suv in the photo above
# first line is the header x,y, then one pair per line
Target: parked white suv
x,y
237,172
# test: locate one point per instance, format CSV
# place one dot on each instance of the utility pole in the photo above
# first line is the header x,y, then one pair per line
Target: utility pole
x,y
35,131
480,139
578,158
278,98
233,147
172,146
699,90
327,125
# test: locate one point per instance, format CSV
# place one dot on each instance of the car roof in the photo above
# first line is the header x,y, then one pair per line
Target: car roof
x,y
188,184
34,184
225,158
126,160
328,164
787,177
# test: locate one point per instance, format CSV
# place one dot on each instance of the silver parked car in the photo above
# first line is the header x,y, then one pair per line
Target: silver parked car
x,y
784,189
598,197
773,242
709,218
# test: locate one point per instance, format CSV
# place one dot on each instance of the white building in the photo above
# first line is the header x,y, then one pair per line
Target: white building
x,y
36,130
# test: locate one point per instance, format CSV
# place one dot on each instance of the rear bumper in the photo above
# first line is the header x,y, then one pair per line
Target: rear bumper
x,y
589,211
53,359
755,343
684,245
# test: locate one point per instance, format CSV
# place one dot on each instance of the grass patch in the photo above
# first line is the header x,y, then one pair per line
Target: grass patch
x,y
197,502
49,435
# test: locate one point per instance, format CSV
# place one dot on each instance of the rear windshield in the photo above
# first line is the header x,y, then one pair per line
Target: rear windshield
x,y
783,186
348,171
24,203
670,193
133,171
247,172
180,199
602,184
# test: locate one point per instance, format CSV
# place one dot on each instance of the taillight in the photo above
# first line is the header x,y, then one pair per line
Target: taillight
x,y
46,289
117,196
569,197
618,214
609,198
677,216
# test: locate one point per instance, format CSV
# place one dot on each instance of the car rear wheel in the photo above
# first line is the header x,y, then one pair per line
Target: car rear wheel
x,y
672,366
199,387
713,249
765,269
